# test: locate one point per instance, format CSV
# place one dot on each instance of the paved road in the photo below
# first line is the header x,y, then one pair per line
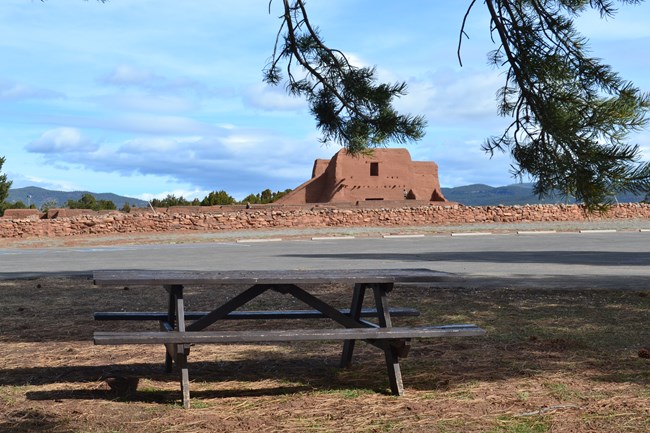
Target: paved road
x,y
618,260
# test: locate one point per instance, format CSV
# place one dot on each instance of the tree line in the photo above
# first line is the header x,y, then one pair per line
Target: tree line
x,y
89,201
5,184
220,198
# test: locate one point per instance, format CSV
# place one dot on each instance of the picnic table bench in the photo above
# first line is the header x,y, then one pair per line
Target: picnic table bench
x,y
180,328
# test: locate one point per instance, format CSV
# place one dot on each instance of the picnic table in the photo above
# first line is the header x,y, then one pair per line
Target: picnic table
x,y
180,328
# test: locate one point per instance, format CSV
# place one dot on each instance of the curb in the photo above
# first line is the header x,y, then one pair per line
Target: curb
x,y
331,238
258,241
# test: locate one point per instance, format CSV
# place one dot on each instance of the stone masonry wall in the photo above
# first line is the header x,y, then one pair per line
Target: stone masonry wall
x,y
232,219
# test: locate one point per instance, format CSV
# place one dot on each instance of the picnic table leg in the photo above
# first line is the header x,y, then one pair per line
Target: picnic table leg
x,y
185,380
392,358
355,312
171,321
181,350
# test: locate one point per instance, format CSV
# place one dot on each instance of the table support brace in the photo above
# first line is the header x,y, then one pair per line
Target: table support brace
x,y
180,351
390,352
355,313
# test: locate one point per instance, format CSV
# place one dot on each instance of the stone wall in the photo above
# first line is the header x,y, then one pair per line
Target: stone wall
x,y
269,217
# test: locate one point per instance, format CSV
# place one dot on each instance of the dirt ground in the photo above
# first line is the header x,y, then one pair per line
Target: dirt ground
x,y
552,361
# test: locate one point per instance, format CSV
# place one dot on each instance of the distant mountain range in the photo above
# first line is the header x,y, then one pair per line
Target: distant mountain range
x,y
516,194
470,195
38,196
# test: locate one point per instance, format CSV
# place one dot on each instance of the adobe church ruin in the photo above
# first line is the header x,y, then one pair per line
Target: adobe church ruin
x,y
387,175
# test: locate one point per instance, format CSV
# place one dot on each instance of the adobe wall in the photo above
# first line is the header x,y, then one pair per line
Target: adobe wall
x,y
386,174
269,217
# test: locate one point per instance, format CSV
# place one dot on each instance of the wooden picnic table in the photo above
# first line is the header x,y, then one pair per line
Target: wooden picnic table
x,y
180,328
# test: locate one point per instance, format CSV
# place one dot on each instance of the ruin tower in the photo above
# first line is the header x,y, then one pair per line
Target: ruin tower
x,y
385,175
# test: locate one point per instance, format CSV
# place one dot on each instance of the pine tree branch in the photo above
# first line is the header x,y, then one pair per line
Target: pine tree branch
x,y
463,33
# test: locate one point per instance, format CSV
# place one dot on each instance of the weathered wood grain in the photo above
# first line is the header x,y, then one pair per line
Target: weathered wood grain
x,y
248,315
302,276
218,337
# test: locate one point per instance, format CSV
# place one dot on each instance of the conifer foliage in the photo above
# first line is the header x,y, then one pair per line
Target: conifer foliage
x,y
348,104
571,114
5,184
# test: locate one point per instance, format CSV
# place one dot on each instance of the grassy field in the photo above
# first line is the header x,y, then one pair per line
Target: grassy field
x,y
553,361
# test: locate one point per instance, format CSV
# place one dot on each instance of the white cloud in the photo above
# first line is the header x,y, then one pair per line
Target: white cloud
x,y
147,102
62,140
20,181
187,194
272,98
464,163
144,83
128,75
453,97
357,61
643,140
10,91
629,22
155,144
236,159
156,124
275,98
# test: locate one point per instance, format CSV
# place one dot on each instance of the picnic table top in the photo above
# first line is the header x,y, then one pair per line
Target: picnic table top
x,y
292,276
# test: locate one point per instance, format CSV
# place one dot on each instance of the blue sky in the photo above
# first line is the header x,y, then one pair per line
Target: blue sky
x,y
146,98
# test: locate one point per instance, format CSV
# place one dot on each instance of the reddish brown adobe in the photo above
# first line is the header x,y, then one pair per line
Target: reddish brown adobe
x,y
386,174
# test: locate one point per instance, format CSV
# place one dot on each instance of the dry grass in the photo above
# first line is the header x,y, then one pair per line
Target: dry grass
x,y
553,361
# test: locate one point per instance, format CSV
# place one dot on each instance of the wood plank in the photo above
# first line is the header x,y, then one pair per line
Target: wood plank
x,y
302,276
248,315
216,337
356,311
324,307
170,355
390,354
228,307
